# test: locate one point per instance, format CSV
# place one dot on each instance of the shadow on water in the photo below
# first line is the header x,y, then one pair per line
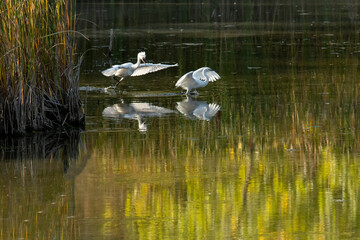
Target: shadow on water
x,y
37,179
37,148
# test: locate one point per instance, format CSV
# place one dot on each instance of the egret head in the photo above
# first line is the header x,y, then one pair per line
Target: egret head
x,y
142,56
142,124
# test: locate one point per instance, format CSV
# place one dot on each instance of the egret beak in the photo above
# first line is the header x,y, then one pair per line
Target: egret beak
x,y
143,60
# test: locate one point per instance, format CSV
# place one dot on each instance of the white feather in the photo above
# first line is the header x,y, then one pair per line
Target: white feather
x,y
110,71
197,79
130,69
149,68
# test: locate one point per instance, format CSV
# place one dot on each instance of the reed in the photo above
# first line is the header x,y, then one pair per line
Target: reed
x,y
39,72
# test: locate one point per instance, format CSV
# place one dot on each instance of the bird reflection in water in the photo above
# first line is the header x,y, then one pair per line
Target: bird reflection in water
x,y
135,111
197,109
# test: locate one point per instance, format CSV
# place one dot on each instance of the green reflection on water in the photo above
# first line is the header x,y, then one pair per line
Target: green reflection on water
x,y
278,160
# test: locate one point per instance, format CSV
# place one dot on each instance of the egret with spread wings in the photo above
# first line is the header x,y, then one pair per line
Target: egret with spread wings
x,y
131,70
197,79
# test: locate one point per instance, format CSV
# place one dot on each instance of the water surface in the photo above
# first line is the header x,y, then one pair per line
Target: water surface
x,y
279,158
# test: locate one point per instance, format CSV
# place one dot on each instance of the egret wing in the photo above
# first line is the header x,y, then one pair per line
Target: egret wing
x,y
118,109
213,109
206,112
186,80
110,111
200,112
149,68
111,71
149,109
183,109
206,72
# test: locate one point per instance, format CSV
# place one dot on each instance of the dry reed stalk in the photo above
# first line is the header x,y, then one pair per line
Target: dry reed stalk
x,y
39,75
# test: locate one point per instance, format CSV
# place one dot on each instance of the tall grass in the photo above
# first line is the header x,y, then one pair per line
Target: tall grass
x,y
39,73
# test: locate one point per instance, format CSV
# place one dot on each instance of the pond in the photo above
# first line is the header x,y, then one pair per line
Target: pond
x,y
269,151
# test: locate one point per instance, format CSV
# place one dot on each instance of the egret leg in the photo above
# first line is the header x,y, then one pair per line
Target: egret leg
x,y
114,86
195,93
118,81
109,90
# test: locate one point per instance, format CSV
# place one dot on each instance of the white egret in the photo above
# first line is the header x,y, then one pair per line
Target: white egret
x,y
131,70
197,79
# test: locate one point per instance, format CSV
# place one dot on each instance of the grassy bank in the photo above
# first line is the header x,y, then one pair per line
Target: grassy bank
x,y
39,72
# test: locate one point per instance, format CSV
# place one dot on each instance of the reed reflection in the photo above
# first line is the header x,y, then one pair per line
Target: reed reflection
x,y
38,172
135,111
197,109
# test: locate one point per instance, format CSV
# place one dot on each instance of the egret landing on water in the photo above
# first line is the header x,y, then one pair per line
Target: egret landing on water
x,y
131,70
197,79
